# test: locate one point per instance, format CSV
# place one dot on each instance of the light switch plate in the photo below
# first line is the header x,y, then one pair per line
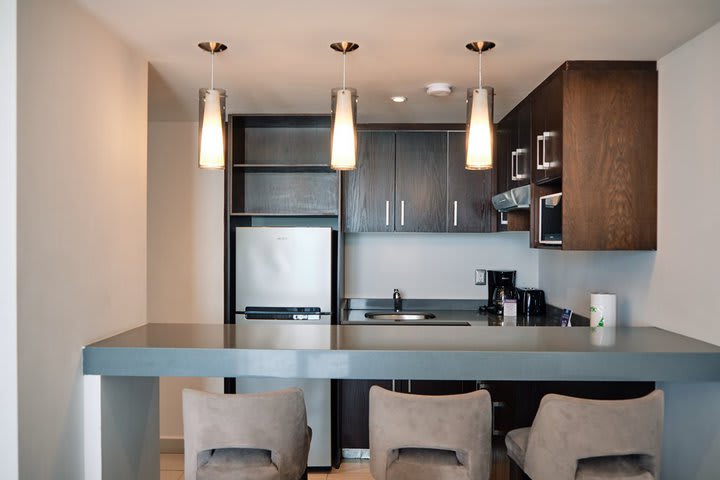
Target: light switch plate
x,y
480,276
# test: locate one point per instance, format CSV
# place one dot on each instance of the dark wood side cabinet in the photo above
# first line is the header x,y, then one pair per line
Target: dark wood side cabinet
x,y
596,133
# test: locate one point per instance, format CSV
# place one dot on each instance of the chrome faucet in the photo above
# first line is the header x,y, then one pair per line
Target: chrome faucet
x,y
397,300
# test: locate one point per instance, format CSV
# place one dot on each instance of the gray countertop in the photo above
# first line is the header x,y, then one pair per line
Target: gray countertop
x,y
449,311
401,351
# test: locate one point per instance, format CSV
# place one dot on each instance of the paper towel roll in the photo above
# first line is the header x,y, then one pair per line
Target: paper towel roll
x,y
602,309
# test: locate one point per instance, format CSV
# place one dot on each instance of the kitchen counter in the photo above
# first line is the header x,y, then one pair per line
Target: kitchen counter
x,y
412,352
456,312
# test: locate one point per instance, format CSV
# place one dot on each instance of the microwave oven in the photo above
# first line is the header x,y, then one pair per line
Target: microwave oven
x,y
550,219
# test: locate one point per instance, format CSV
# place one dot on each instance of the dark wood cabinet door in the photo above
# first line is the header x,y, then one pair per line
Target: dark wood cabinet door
x,y
523,129
553,93
368,191
537,145
469,205
503,149
354,406
420,181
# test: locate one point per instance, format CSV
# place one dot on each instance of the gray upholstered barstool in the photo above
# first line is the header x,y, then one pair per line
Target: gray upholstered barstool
x,y
261,436
573,438
429,437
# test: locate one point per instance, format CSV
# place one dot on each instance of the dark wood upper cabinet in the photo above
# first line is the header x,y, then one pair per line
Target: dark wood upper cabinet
x,y
547,130
523,151
504,133
420,181
609,176
595,125
369,191
415,181
512,162
469,205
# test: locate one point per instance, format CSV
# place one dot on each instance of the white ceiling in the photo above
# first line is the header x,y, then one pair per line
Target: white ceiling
x,y
279,60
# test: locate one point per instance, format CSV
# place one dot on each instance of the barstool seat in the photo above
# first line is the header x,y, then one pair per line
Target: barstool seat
x,y
516,443
429,437
579,439
261,436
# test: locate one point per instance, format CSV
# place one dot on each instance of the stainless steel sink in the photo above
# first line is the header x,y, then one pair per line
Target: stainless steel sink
x,y
399,316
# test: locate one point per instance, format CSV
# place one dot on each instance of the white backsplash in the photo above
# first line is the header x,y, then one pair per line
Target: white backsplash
x,y
433,265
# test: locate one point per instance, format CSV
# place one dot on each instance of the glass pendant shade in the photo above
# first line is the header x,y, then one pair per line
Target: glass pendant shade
x,y
479,145
343,155
212,128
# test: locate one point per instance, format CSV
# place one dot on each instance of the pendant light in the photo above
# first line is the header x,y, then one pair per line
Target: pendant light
x,y
479,149
211,139
343,139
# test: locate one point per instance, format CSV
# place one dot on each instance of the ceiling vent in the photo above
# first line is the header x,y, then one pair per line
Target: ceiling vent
x,y
438,89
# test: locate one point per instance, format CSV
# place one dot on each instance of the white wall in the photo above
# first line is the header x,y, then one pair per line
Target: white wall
x,y
185,249
82,150
569,277
676,287
433,265
8,241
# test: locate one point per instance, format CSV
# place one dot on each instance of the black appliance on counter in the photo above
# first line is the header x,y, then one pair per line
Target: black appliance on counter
x,y
501,286
531,301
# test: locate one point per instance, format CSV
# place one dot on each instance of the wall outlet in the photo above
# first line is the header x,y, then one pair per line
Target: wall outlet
x,y
480,277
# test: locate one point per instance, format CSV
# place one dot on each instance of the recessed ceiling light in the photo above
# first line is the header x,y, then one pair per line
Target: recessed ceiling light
x,y
398,99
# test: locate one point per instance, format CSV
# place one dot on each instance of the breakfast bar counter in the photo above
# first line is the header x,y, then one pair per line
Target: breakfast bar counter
x,y
403,351
121,381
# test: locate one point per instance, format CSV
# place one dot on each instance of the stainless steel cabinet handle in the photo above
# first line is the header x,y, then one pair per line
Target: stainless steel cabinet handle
x,y
546,137
503,218
455,213
513,165
540,163
393,385
387,212
520,151
409,386
402,212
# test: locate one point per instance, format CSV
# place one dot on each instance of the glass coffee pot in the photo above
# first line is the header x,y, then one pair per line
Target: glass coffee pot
x,y
502,293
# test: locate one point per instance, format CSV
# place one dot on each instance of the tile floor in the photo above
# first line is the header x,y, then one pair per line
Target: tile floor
x,y
171,468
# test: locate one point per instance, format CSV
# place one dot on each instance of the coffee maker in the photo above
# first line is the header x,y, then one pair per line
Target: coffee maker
x,y
501,285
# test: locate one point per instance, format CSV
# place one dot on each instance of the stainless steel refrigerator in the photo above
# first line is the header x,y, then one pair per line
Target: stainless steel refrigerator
x,y
283,275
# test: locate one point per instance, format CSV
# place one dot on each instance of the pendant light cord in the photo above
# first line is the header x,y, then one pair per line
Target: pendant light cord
x,y
344,55
480,70
212,70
